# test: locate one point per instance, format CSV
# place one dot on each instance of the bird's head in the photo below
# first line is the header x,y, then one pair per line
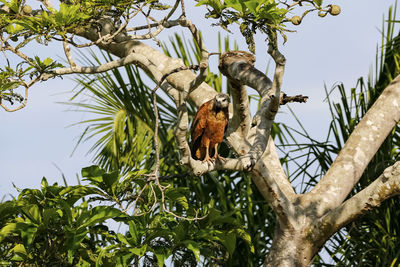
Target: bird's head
x,y
221,101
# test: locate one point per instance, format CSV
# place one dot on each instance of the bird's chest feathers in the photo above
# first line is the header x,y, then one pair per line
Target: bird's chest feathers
x,y
216,122
216,117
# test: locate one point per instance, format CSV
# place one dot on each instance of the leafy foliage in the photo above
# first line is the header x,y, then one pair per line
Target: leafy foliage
x,y
22,27
49,226
267,16
252,15
66,225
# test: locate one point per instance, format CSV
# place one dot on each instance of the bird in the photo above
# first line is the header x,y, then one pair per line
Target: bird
x,y
208,128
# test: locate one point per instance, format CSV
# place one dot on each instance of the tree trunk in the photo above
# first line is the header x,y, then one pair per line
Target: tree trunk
x,y
291,248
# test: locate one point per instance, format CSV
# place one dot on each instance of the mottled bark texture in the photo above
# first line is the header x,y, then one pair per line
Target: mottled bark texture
x,y
304,222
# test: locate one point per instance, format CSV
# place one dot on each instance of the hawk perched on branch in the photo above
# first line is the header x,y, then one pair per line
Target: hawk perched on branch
x,y
209,127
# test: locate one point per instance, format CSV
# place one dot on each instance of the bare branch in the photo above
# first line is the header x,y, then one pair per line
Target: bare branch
x,y
240,123
385,186
238,67
204,55
18,53
274,166
67,52
359,149
131,58
290,99
271,191
20,106
164,23
155,174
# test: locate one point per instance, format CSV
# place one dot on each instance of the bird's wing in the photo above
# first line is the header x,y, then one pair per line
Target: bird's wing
x,y
226,115
200,121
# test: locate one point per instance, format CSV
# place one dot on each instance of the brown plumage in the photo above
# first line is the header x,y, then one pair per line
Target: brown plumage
x,y
209,127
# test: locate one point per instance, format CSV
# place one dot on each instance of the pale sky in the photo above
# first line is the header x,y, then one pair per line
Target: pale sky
x,y
322,51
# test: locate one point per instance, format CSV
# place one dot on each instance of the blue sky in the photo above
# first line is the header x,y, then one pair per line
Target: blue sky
x,y
322,51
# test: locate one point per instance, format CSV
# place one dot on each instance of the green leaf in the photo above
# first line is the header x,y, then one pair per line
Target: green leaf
x,y
161,257
134,232
318,2
33,213
74,238
100,214
235,4
215,4
228,240
111,178
7,230
47,61
27,232
20,251
177,195
44,184
50,215
140,251
122,239
74,193
252,5
194,247
7,208
92,171
12,29
246,237
69,14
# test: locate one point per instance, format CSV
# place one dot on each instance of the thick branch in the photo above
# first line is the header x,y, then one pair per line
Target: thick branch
x,y
275,197
385,186
129,59
359,149
239,69
240,122
274,166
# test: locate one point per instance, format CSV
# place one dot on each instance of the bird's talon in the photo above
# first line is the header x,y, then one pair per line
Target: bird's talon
x,y
222,159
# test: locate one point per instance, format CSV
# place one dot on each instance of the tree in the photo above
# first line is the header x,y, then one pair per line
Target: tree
x,y
381,247
303,221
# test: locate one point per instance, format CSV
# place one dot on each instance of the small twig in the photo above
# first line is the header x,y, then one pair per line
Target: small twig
x,y
19,107
18,53
178,175
156,145
152,207
183,8
160,25
297,98
106,39
190,67
154,176
129,59
67,51
135,201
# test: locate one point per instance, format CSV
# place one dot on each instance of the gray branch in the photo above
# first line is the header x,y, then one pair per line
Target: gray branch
x,y
359,149
385,186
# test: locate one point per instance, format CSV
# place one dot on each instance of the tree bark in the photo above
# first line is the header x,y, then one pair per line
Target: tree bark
x,y
290,249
